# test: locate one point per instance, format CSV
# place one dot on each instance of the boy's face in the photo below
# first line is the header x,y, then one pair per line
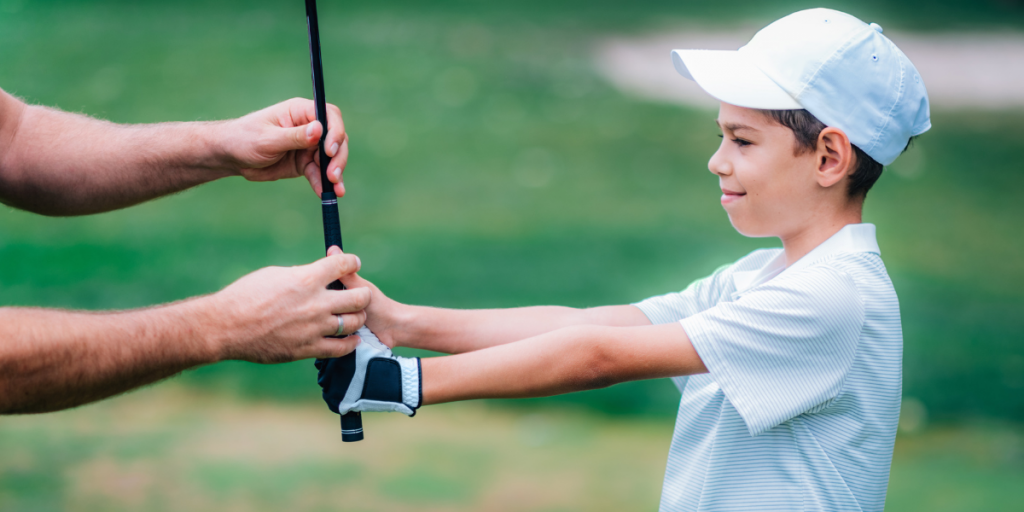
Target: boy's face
x,y
767,188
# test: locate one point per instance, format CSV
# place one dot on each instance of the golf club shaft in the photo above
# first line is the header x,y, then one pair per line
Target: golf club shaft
x,y
351,423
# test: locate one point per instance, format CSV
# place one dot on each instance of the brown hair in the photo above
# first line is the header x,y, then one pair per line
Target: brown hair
x,y
806,129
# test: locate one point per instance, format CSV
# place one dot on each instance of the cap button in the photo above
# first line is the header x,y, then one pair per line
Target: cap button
x,y
877,27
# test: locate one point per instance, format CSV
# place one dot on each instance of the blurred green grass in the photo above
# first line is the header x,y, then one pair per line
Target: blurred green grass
x,y
490,167
171,448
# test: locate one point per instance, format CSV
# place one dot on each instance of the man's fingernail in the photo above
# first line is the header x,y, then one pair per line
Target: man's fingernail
x,y
334,149
359,263
309,130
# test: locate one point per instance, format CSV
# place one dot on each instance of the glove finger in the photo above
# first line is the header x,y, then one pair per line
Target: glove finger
x,y
326,380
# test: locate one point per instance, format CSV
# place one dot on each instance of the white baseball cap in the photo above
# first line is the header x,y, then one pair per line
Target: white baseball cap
x,y
840,69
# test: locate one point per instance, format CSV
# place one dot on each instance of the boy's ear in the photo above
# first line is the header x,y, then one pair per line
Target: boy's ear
x,y
834,155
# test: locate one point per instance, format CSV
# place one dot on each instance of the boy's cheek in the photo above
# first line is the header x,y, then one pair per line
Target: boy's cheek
x,y
745,218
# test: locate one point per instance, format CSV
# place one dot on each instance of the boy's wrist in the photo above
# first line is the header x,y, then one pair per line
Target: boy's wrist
x,y
408,321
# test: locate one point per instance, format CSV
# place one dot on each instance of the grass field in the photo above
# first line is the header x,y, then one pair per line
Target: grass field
x,y
490,166
169,448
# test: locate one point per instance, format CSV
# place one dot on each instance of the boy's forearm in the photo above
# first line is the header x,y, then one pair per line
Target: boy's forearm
x,y
563,361
58,163
453,331
51,360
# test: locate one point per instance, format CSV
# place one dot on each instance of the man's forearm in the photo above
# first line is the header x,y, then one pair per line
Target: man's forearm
x,y
58,163
454,331
562,361
51,360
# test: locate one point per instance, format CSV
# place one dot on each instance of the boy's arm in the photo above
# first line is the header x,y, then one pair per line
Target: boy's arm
x,y
562,361
454,331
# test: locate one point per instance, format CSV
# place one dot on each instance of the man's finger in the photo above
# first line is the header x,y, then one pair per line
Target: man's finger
x,y
312,173
335,131
352,321
301,110
327,348
331,268
337,164
348,301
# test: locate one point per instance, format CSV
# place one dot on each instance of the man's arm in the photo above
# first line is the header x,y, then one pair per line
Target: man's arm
x,y
58,163
562,361
454,331
51,360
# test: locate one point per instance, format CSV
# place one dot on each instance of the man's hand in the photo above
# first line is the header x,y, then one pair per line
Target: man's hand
x,y
278,314
100,166
52,359
280,141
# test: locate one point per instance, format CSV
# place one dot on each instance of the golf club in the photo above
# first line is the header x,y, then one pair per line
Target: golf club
x,y
351,423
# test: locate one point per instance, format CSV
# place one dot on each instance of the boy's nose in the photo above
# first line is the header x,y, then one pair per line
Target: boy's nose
x,y
718,165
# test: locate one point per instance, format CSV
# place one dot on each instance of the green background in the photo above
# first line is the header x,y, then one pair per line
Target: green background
x,y
491,166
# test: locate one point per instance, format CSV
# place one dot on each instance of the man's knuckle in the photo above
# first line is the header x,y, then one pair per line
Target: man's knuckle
x,y
348,303
305,280
364,297
340,265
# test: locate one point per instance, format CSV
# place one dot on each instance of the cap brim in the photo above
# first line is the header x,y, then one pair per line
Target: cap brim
x,y
730,77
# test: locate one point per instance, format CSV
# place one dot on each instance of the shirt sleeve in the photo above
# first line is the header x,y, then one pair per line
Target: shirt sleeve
x,y
672,307
785,347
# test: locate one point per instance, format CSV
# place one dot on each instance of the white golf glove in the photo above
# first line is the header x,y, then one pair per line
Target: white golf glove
x,y
380,381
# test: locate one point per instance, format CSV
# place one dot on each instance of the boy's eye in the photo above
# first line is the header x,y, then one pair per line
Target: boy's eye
x,y
740,142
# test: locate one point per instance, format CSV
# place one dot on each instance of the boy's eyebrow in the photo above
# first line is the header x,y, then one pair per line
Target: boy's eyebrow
x,y
734,127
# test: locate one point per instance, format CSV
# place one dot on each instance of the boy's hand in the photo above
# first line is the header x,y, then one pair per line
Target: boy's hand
x,y
381,382
383,316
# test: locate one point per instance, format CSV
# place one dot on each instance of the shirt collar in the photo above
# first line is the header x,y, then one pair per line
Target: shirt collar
x,y
851,238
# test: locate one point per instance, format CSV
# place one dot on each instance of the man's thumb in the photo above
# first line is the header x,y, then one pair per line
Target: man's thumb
x,y
299,137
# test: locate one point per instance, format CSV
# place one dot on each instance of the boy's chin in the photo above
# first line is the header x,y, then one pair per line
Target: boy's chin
x,y
748,228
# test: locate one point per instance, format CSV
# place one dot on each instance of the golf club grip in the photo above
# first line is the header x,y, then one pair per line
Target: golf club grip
x,y
351,423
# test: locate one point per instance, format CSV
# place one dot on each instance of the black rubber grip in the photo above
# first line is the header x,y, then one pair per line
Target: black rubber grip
x,y
332,227
351,423
351,427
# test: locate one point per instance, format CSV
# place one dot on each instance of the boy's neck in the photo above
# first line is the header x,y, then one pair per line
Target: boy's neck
x,y
798,244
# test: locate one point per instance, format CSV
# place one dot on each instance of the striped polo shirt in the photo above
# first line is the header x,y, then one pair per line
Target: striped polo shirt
x,y
799,409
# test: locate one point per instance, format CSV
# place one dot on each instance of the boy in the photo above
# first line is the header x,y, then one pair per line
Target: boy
x,y
789,360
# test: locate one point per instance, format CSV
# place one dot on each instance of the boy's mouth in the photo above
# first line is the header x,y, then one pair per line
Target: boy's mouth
x,y
729,196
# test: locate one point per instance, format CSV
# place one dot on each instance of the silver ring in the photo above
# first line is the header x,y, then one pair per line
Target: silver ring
x,y
341,325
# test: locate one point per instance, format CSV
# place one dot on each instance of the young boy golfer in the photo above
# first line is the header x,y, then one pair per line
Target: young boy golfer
x,y
789,360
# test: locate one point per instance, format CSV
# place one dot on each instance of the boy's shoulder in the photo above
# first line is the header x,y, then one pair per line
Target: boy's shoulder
x,y
862,268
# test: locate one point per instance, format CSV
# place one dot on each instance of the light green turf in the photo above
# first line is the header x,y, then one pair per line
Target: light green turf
x,y
170,449
490,166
